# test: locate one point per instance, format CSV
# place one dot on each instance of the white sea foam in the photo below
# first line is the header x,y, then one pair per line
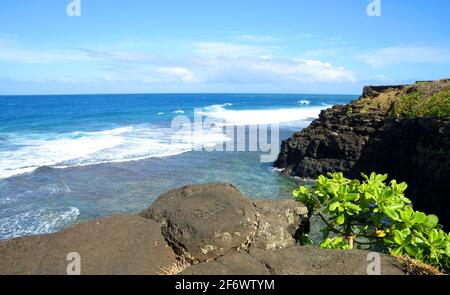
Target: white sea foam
x,y
276,170
261,117
179,112
47,189
54,189
217,107
35,222
88,148
304,102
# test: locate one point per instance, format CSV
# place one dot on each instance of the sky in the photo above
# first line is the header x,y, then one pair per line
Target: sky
x,y
220,46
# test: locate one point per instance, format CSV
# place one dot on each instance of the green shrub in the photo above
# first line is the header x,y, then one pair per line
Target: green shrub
x,y
414,105
373,213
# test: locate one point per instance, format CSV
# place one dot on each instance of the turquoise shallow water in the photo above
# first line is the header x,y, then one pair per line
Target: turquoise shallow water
x,y
69,159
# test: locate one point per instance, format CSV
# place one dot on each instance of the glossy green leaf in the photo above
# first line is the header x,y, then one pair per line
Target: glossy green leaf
x,y
402,186
353,207
391,214
398,236
334,206
341,219
419,217
397,251
431,221
352,197
433,235
411,250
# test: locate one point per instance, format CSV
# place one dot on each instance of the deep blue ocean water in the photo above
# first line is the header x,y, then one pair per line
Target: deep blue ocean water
x,y
72,158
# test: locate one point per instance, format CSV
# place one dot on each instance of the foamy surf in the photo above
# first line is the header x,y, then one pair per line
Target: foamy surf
x,y
36,222
261,117
124,144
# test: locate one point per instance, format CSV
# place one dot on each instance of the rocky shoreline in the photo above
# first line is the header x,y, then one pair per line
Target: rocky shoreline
x,y
363,136
204,229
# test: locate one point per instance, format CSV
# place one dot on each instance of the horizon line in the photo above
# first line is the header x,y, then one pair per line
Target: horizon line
x,y
169,93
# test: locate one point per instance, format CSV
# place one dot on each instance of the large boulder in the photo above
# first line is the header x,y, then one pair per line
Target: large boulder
x,y
296,261
204,222
127,245
280,222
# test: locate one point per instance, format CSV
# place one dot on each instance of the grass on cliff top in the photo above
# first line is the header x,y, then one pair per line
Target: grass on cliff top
x,y
422,99
417,105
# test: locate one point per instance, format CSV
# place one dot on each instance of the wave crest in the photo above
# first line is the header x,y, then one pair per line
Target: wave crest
x,y
262,117
88,148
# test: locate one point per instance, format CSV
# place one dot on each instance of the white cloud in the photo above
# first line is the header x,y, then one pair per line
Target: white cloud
x,y
320,71
239,63
23,56
219,49
177,74
208,62
12,51
150,75
305,36
406,54
122,55
260,70
234,70
328,52
256,38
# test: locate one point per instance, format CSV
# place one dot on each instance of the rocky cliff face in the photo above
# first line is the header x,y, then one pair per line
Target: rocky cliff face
x,y
363,137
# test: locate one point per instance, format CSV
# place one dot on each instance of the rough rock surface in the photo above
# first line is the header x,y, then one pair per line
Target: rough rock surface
x,y
280,221
334,142
203,222
315,261
362,137
127,245
297,261
237,263
416,151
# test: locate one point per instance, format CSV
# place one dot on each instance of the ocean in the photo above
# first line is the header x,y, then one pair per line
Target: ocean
x,y
66,159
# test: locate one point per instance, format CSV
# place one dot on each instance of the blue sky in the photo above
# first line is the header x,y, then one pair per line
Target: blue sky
x,y
279,46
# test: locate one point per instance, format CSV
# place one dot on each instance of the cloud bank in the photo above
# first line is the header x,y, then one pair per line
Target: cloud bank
x,y
204,62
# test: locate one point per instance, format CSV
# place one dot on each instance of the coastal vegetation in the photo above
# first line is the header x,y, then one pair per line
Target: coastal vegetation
x,y
422,99
373,214
417,105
